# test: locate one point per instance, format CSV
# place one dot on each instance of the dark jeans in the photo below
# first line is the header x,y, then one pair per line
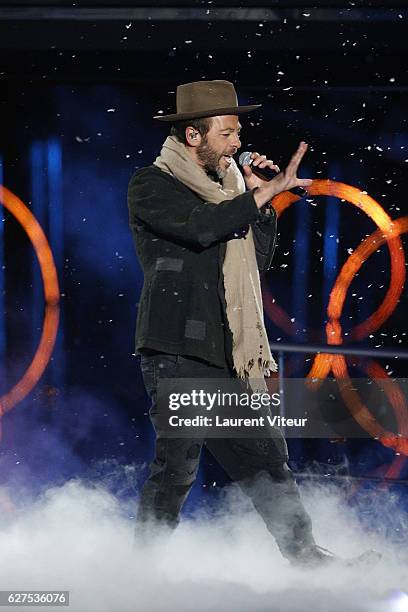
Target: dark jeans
x,y
257,465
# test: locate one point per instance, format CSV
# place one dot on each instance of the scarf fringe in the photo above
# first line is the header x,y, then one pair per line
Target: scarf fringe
x,y
266,366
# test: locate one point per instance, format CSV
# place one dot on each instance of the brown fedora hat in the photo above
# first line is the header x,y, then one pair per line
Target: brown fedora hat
x,y
206,99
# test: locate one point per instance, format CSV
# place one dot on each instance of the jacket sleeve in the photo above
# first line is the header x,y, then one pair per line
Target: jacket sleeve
x,y
175,214
265,233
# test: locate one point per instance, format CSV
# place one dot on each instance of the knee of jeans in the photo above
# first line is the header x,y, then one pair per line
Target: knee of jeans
x,y
278,474
181,472
273,451
180,478
281,472
193,451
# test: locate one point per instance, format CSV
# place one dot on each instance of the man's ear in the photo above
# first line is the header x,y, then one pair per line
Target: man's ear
x,y
193,136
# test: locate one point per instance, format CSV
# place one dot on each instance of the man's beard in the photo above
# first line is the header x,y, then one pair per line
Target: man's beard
x,y
210,160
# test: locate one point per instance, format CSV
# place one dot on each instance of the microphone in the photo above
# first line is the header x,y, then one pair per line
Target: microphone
x,y
266,174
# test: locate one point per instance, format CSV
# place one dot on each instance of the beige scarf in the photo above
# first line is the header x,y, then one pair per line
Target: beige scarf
x,y
251,353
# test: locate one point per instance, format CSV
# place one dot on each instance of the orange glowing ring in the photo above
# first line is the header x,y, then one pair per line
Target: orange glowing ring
x,y
349,269
389,231
51,294
368,205
325,363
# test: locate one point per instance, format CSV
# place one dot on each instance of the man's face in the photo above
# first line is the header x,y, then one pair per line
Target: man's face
x,y
219,144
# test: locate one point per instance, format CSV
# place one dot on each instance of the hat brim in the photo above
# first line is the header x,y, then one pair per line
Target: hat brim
x,y
235,110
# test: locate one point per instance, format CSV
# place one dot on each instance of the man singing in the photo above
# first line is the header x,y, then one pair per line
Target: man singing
x,y
203,233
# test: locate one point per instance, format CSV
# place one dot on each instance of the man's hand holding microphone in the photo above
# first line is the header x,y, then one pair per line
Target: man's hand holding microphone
x,y
269,187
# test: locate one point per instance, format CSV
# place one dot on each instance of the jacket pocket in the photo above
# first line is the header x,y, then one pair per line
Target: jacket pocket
x,y
169,306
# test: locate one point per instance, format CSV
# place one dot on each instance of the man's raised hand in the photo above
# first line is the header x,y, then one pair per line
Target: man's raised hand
x,y
283,181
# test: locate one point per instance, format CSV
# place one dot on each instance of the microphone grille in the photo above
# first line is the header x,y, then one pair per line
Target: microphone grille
x,y
245,159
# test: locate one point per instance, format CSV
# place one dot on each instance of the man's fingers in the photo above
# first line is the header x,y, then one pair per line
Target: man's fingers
x,y
247,170
304,182
299,153
259,160
297,157
269,164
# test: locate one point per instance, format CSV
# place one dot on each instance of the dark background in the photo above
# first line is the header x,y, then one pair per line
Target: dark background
x,y
87,80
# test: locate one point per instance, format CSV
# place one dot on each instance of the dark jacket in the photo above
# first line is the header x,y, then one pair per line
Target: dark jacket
x,y
181,241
